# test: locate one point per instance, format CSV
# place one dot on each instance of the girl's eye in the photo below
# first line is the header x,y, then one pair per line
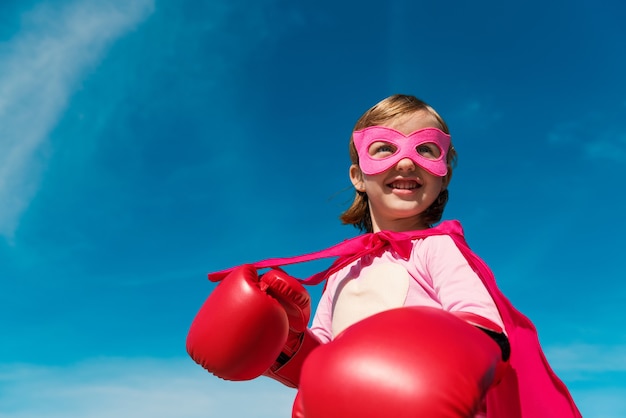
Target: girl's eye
x,y
428,150
380,149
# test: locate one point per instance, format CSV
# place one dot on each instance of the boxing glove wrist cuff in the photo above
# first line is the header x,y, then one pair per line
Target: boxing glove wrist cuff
x,y
496,333
490,328
287,370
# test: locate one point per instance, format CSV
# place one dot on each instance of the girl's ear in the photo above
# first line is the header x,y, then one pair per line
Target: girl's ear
x,y
356,177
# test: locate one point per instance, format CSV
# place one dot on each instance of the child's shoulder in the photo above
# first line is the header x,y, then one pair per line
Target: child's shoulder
x,y
448,227
443,232
439,240
430,242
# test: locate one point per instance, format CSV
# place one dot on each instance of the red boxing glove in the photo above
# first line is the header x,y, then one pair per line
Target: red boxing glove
x,y
247,321
401,363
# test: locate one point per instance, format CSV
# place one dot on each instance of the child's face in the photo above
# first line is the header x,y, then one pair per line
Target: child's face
x,y
398,195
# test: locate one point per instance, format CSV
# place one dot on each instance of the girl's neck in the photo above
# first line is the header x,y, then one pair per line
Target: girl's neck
x,y
399,225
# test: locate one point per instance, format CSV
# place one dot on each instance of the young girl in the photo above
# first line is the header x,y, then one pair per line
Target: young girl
x,y
404,304
402,161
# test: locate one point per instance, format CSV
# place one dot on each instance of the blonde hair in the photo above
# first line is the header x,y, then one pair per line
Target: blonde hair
x,y
358,214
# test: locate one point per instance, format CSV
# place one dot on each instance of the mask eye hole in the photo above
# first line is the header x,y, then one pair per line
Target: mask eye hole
x,y
381,149
428,150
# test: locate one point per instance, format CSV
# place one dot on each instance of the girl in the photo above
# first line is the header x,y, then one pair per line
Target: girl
x,y
414,278
402,161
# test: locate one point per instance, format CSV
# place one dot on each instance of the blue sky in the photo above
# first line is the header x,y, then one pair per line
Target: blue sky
x,y
144,143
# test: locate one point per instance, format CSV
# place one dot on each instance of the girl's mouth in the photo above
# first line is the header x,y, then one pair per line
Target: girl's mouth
x,y
404,184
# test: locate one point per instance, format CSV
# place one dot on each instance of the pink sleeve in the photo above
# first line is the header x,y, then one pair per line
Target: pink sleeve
x,y
322,320
454,281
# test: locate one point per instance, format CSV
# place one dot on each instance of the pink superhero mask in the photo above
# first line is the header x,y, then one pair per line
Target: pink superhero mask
x,y
425,147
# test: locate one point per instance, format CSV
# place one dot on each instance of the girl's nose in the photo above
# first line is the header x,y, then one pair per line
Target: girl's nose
x,y
405,164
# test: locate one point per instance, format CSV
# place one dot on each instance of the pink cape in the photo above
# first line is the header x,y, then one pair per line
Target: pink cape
x,y
529,389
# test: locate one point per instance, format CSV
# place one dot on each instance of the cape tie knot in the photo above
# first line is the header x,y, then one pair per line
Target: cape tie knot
x,y
372,243
399,242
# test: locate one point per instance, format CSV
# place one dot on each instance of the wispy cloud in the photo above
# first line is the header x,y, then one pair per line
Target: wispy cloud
x,y
605,402
599,136
594,374
588,358
471,110
166,388
125,388
42,65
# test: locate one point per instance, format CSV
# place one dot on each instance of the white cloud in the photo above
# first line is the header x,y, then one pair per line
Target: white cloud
x,y
611,147
178,388
588,358
599,136
594,374
42,65
476,109
606,402
121,388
